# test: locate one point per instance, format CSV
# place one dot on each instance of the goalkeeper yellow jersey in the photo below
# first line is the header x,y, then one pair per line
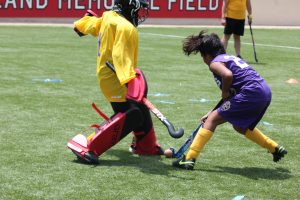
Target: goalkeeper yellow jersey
x,y
236,9
118,44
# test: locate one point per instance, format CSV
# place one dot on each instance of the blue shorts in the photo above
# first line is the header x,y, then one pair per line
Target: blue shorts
x,y
243,112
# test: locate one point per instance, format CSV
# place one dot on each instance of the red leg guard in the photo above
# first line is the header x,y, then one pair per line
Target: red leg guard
x,y
107,136
145,143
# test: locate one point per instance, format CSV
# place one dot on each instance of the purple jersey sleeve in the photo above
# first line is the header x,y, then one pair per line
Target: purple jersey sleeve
x,y
244,76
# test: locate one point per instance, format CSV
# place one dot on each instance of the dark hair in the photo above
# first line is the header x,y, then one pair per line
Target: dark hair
x,y
203,43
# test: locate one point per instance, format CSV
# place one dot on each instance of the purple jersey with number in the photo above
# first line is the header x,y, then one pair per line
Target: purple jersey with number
x,y
244,76
252,94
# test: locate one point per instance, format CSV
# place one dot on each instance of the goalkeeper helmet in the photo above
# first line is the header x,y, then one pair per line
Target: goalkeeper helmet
x,y
135,11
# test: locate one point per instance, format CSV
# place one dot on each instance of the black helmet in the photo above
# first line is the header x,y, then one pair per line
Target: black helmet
x,y
135,11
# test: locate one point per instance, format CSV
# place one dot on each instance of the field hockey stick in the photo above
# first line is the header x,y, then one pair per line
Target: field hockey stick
x,y
253,43
163,119
173,133
190,139
186,144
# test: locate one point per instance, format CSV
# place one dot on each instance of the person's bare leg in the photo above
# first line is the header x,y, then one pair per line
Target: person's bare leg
x,y
237,44
225,40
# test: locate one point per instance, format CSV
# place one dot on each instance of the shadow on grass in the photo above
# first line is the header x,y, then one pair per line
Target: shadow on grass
x,y
254,173
146,164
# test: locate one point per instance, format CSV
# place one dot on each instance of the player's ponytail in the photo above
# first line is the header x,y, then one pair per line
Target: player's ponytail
x,y
204,44
192,43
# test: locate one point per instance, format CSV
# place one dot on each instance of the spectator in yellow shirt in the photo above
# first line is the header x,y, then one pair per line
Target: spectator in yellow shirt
x,y
233,18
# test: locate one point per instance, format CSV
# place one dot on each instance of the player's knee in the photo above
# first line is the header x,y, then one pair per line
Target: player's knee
x,y
213,120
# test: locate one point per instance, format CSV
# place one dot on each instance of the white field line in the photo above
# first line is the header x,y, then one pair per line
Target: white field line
x,y
246,43
36,24
70,24
155,34
274,46
216,26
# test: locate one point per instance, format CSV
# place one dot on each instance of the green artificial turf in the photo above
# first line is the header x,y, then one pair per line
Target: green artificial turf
x,y
38,118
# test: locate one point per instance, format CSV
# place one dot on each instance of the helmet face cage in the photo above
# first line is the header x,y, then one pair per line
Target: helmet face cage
x,y
136,11
143,12
139,11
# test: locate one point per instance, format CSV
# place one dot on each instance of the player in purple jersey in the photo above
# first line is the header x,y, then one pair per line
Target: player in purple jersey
x,y
245,95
